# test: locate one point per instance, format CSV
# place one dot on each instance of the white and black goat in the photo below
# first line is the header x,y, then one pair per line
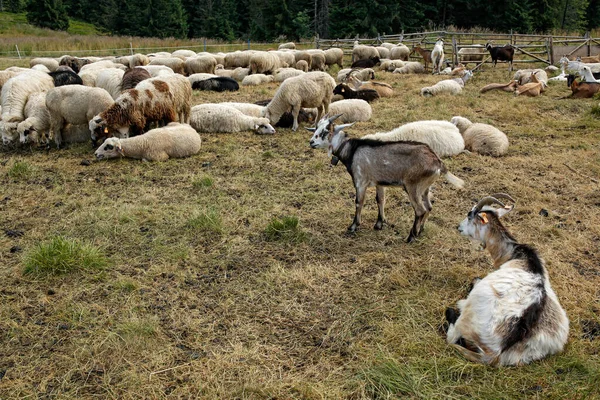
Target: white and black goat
x,y
412,165
512,316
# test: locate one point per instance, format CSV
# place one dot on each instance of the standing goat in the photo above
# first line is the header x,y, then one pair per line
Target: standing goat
x,y
505,53
437,56
411,165
512,316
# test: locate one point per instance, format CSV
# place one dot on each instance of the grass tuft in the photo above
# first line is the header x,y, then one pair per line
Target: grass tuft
x,y
204,182
285,229
208,221
595,110
61,256
21,170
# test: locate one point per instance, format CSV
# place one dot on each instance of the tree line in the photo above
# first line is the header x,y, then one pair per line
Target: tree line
x,y
268,20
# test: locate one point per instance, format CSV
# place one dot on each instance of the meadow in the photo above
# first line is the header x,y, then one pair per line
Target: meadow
x,y
230,274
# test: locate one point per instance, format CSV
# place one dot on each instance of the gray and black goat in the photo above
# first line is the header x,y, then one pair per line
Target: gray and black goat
x,y
412,165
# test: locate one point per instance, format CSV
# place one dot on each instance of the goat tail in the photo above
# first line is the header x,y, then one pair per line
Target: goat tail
x,y
454,180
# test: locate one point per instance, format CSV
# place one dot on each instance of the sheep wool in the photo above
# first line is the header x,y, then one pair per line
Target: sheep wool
x,y
49,63
263,62
410,67
176,64
334,56
482,138
284,73
221,118
302,65
37,119
352,110
448,86
257,79
17,89
172,141
443,137
253,110
110,80
200,64
400,52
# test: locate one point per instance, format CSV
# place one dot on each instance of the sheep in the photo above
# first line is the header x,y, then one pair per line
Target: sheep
x,y
158,70
201,64
437,56
288,45
388,46
512,316
181,90
286,57
172,141
305,56
448,86
347,92
391,65
176,64
264,62
36,124
471,54
384,52
41,67
219,118
399,52
257,79
200,77
253,110
62,78
183,54
506,87
302,65
411,165
504,53
362,74
49,63
334,56
221,71
16,91
318,60
523,76
313,89
362,52
135,60
74,63
481,138
6,75
161,54
305,115
383,89
238,59
103,64
240,73
443,137
217,84
410,67
74,105
351,110
366,63
220,57
110,80
284,73
133,76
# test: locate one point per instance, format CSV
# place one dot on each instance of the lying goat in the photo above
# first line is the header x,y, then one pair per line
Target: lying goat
x,y
411,165
511,316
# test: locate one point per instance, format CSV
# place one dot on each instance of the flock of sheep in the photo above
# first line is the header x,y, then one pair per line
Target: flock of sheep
x,y
140,106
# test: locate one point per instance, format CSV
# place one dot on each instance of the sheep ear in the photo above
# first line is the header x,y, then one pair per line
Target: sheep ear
x,y
119,148
505,210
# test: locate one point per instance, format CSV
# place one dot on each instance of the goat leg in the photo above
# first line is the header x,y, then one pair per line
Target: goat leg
x,y
380,197
415,230
360,201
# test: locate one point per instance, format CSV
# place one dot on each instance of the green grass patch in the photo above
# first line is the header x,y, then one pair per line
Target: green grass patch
x,y
138,328
60,255
203,182
21,170
285,229
208,221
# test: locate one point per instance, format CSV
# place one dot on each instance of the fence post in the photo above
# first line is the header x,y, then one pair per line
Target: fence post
x,y
455,51
550,45
317,41
589,43
131,48
248,44
18,52
205,44
511,37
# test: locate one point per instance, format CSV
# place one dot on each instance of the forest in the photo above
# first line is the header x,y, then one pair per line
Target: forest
x,y
267,20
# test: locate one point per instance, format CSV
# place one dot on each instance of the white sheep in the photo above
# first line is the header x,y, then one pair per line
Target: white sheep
x,y
288,45
50,63
364,74
391,65
302,65
220,118
103,64
183,53
174,140
257,79
399,52
305,56
238,59
263,62
318,61
221,71
523,76
240,73
200,64
448,86
284,73
41,67
362,52
176,64
135,60
253,110
410,67
74,105
482,138
334,56
37,119
313,89
384,52
443,137
351,110
110,80
286,57
471,54
158,70
16,91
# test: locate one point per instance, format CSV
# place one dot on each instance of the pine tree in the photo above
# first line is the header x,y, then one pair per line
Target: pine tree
x,y
48,14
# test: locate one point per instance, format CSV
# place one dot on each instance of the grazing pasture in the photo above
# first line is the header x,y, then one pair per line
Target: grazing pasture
x,y
230,274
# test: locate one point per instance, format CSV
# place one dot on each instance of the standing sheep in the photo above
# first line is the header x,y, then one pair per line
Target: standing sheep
x,y
238,59
176,64
399,52
221,118
284,73
313,89
482,138
334,56
201,64
288,45
49,63
305,56
264,62
318,60
302,65
110,80
362,52
16,91
133,76
174,140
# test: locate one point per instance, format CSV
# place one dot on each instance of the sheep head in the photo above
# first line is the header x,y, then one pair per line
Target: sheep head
x,y
111,148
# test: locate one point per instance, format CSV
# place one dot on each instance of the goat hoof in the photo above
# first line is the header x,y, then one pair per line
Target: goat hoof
x,y
411,238
352,228
378,225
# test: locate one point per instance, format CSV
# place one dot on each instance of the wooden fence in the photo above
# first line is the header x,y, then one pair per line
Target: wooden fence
x,y
528,48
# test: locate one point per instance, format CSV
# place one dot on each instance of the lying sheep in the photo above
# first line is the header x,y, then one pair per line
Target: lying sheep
x,y
253,110
200,77
36,124
448,86
240,73
313,89
217,84
74,105
174,140
257,79
391,65
221,71
364,74
410,67
482,138
284,73
176,64
443,137
302,65
219,118
351,110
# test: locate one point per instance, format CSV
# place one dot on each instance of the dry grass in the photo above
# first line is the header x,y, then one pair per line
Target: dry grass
x,y
198,301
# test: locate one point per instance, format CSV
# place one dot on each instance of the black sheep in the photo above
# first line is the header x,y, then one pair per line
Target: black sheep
x,y
62,78
133,76
217,84
287,119
347,92
368,63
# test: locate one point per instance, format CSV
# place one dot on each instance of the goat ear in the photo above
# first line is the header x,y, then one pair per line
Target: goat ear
x,y
505,210
311,129
339,128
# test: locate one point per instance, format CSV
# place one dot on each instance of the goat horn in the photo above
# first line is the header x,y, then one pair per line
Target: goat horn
x,y
486,201
334,118
503,196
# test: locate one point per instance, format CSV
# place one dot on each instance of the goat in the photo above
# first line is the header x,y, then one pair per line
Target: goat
x,y
411,165
368,63
504,53
506,87
348,93
512,316
532,89
426,54
437,56
586,74
583,90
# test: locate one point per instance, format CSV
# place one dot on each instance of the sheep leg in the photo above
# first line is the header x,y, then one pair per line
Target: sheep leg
x,y
360,201
56,125
380,197
295,112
